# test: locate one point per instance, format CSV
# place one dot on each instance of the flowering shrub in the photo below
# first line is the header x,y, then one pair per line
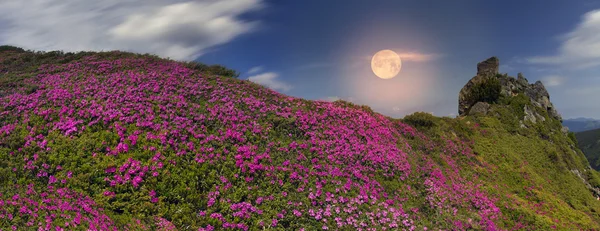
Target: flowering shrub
x,y
140,143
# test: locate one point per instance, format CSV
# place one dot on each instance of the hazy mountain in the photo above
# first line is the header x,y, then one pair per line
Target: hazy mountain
x,y
581,124
121,141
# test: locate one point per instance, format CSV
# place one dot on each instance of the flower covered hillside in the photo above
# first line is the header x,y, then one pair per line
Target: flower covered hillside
x,y
118,141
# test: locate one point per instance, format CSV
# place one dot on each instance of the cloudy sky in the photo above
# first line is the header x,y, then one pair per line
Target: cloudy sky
x,y
322,49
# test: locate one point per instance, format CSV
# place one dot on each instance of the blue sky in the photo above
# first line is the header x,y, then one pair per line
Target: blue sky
x,y
322,49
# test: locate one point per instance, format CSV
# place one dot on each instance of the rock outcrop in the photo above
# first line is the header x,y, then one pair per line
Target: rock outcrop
x,y
510,87
488,67
480,107
485,69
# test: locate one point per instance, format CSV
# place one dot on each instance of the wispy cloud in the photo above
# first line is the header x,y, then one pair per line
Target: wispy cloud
x,y
412,56
255,69
553,80
181,30
590,92
270,80
580,48
314,65
506,67
417,57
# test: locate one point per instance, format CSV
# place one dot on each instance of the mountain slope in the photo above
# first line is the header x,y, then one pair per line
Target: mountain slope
x,y
580,125
589,142
119,141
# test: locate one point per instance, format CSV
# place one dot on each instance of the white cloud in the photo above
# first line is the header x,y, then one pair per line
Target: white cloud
x,y
589,92
553,80
255,69
269,79
417,57
181,30
580,47
505,67
412,56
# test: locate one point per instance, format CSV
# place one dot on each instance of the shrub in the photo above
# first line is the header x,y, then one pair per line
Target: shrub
x,y
213,69
572,137
487,91
420,119
11,48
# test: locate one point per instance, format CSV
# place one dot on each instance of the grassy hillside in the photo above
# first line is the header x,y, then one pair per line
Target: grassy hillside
x,y
120,141
589,142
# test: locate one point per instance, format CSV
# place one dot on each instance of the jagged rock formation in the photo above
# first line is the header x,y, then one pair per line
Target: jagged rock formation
x,y
485,69
510,87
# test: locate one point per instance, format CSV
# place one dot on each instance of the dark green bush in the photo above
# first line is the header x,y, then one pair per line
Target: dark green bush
x,y
420,119
487,91
11,48
212,69
573,138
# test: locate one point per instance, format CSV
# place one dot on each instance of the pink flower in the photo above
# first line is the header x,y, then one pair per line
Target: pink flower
x,y
136,181
52,180
108,193
111,170
297,213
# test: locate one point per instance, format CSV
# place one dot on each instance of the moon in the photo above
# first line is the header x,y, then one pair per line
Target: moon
x,y
386,64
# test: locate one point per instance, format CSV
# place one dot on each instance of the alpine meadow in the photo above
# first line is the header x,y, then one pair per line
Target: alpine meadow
x,y
124,141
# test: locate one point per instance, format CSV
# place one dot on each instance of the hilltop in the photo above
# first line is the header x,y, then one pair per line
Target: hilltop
x,y
122,141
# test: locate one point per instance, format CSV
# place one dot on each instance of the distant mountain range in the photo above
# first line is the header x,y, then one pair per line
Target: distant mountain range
x,y
589,143
581,124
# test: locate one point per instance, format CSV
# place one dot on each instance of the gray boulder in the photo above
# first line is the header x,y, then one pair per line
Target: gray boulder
x,y
480,108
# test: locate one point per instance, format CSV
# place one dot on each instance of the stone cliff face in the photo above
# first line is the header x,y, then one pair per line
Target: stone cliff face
x,y
510,87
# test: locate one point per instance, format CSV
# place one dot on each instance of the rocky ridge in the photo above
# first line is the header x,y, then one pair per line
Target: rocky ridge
x,y
510,87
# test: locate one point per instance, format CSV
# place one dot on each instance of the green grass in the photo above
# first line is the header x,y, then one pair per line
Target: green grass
x,y
526,166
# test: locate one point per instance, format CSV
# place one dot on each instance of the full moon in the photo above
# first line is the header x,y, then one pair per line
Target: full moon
x,y
386,64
